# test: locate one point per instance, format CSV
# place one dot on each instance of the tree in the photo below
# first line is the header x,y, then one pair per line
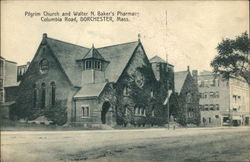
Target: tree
x,y
233,57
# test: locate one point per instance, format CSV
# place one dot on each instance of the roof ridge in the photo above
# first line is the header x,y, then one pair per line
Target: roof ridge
x,y
116,45
66,42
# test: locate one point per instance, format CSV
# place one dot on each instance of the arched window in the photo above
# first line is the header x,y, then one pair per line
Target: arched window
x,y
136,110
34,96
153,111
44,66
126,110
53,93
126,91
189,97
43,95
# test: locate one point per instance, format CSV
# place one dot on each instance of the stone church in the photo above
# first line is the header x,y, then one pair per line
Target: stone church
x,y
113,85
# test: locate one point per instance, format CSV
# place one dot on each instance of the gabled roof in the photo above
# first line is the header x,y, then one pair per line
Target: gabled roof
x,y
179,79
67,54
157,59
118,56
90,90
93,53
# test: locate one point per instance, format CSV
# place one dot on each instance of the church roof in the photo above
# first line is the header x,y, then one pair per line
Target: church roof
x,y
157,59
118,56
93,53
179,79
67,54
90,90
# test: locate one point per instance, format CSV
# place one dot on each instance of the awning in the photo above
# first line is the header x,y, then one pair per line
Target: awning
x,y
236,118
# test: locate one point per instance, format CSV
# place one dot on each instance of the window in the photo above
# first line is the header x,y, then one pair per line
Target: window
x,y
34,95
126,110
125,91
216,82
206,82
44,66
189,97
153,113
199,83
211,94
97,65
152,94
206,107
234,98
217,106
200,95
201,107
136,110
43,95
53,93
1,96
217,116
88,64
205,95
141,112
217,94
212,82
190,114
85,112
1,82
211,107
209,120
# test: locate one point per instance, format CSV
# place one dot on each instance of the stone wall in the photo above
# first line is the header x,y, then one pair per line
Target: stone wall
x,y
33,80
188,111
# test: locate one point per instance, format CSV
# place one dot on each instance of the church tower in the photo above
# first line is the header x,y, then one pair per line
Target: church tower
x,y
93,67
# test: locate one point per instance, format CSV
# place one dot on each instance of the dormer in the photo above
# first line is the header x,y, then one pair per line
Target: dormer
x,y
93,60
93,67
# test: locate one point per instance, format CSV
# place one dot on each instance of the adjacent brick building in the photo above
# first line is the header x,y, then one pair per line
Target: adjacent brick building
x,y
186,108
8,80
223,102
89,86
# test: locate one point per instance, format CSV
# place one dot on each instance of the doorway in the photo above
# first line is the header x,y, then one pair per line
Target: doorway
x,y
105,109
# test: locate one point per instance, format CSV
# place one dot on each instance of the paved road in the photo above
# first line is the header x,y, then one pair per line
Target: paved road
x,y
123,145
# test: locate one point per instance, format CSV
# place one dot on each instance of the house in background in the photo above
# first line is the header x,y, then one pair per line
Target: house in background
x,y
186,110
223,102
8,80
91,86
164,74
21,70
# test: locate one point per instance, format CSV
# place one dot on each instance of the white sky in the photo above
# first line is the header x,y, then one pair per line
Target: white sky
x,y
190,38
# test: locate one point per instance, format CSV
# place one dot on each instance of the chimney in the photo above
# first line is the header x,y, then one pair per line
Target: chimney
x,y
44,38
139,37
44,35
188,69
195,75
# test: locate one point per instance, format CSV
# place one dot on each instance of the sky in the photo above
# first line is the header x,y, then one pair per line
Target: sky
x,y
186,36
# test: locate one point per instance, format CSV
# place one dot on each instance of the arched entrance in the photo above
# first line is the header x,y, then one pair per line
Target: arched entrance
x,y
105,109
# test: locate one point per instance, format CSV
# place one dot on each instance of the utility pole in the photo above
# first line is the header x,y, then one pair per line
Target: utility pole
x,y
168,104
166,22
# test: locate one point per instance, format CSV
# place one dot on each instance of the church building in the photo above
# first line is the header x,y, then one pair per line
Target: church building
x,y
113,85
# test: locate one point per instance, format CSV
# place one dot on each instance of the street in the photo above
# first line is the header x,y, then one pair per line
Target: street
x,y
191,144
